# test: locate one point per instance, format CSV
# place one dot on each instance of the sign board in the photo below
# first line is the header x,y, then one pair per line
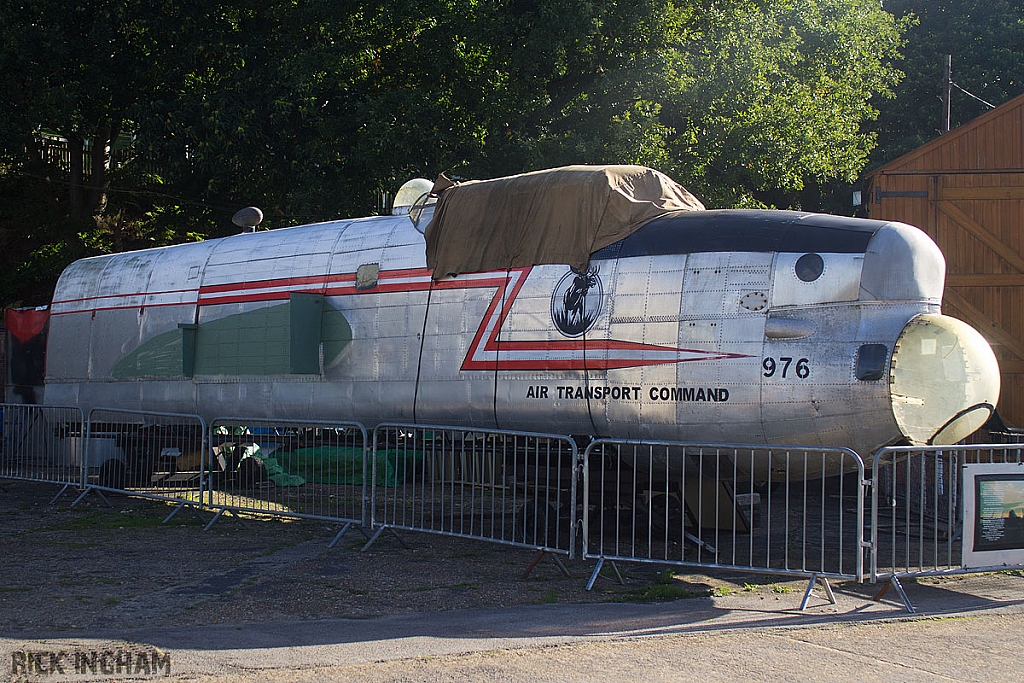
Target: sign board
x,y
993,515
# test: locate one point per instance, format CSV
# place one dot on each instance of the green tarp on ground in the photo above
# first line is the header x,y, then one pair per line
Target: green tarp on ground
x,y
272,468
339,465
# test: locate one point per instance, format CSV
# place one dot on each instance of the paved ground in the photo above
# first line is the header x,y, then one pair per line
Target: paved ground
x,y
966,629
97,593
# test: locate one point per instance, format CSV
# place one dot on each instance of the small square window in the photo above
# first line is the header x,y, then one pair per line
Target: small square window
x,y
871,362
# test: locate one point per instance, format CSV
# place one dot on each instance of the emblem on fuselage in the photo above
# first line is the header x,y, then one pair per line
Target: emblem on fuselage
x,y
576,301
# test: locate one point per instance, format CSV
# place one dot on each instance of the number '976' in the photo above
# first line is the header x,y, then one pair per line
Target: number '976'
x,y
785,367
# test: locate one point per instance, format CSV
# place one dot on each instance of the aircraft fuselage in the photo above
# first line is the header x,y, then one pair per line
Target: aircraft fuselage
x,y
736,326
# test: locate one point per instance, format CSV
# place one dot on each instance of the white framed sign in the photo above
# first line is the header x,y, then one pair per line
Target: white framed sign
x,y
993,515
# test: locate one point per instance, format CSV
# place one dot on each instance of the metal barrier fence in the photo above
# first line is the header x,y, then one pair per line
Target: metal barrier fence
x,y
42,443
783,510
147,454
917,510
777,510
289,468
516,488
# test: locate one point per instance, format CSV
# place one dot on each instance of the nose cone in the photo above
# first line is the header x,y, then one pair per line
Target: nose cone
x,y
943,380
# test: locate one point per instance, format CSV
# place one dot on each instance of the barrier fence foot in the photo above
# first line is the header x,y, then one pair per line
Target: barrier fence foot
x,y
378,532
60,493
215,518
81,495
337,537
196,513
894,582
87,491
536,560
597,572
399,538
173,512
533,563
699,542
234,514
373,539
810,587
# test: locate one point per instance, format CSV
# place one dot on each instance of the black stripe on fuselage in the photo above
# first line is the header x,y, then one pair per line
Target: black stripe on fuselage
x,y
747,231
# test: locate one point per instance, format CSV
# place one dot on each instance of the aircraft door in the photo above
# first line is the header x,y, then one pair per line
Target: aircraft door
x,y
372,323
544,321
615,353
454,384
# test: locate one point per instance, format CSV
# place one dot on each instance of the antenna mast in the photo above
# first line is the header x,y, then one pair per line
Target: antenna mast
x,y
946,92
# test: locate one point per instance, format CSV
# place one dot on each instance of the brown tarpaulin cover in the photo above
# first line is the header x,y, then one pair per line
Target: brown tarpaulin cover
x,y
561,215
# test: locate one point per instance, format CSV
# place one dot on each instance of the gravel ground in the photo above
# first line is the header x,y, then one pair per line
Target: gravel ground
x,y
94,566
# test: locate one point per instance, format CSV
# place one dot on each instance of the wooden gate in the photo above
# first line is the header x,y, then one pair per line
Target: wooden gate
x,y
977,219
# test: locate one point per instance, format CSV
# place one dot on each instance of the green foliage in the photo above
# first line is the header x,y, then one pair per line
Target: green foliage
x,y
986,41
772,94
665,587
666,577
312,110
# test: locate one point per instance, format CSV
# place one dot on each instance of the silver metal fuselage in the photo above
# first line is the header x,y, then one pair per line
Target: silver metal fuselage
x,y
712,326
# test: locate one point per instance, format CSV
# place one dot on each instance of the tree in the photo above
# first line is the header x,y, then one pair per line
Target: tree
x,y
745,102
71,72
312,110
986,41
72,75
774,95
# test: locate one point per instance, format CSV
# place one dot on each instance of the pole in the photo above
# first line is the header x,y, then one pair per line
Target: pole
x,y
946,91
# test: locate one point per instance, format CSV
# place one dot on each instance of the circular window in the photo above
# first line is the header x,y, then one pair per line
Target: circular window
x,y
809,267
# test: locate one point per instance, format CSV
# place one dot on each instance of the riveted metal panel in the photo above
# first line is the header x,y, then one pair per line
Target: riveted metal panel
x,y
839,281
251,338
67,357
704,289
540,368
530,316
164,322
385,328
748,270
633,275
110,303
445,394
809,391
362,241
645,308
274,255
